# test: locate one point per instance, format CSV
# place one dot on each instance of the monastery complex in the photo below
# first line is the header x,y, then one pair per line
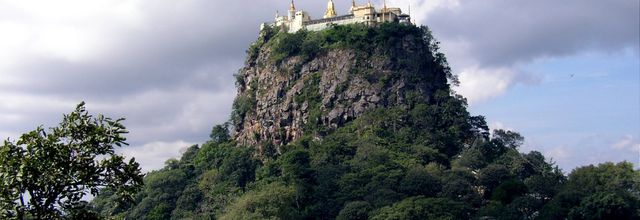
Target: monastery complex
x,y
296,20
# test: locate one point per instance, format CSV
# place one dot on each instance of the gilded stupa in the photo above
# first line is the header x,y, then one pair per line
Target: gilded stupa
x,y
331,12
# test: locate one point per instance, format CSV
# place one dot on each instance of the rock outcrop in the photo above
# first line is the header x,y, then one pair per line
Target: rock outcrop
x,y
279,101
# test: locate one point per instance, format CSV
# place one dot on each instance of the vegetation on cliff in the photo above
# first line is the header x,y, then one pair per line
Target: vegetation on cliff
x,y
310,83
416,153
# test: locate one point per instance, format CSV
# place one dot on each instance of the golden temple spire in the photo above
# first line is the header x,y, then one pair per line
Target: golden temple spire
x,y
331,12
292,7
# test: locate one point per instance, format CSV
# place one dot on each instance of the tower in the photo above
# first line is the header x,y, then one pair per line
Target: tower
x,y
292,10
410,12
331,12
353,6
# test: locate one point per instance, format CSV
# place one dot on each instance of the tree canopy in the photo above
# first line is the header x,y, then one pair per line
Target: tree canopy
x,y
47,174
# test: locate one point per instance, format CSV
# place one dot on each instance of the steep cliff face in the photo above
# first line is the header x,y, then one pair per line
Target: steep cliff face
x,y
310,83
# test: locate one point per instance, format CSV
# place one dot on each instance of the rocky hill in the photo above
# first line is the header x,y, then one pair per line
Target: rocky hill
x,y
312,83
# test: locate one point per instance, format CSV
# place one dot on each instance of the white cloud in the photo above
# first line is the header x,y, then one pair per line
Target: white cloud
x,y
560,153
69,43
166,65
496,125
481,84
170,114
8,135
10,118
20,108
624,142
628,143
594,149
421,9
486,42
153,155
161,122
72,30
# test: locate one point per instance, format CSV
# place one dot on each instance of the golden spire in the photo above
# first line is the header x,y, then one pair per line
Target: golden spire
x,y
292,7
331,12
385,4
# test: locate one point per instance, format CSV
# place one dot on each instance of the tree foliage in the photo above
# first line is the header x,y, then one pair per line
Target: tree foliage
x,y
606,191
425,208
46,174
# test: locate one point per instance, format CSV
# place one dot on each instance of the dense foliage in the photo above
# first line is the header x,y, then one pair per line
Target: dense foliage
x,y
388,38
430,160
375,175
46,174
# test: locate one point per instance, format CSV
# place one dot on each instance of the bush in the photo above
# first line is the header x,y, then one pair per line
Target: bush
x,y
242,106
425,208
358,210
274,201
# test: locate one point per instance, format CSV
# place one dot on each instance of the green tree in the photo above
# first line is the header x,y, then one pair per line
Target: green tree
x,y
508,191
187,203
458,185
358,210
273,201
295,167
605,177
492,176
418,181
606,191
607,205
425,208
471,158
239,167
220,133
45,173
546,185
162,189
508,139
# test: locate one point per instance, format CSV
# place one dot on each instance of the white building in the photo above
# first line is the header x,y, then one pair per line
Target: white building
x,y
366,14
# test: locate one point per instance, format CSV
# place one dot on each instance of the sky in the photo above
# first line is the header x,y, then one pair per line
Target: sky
x,y
565,74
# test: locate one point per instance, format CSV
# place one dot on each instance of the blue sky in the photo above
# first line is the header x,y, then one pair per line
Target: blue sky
x,y
563,73
580,109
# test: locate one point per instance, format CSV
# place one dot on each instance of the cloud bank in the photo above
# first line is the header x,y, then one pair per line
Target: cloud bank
x,y
167,65
488,41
